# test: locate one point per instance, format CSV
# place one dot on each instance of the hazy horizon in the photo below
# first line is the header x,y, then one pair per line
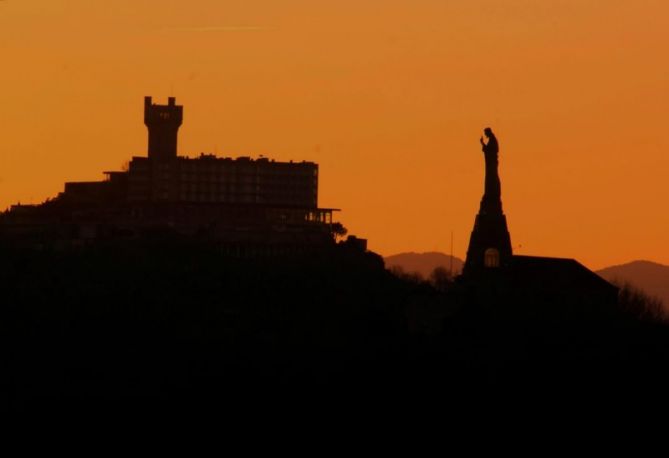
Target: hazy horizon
x,y
625,263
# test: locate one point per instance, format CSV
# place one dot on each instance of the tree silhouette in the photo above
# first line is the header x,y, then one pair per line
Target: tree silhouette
x,y
441,279
338,230
640,305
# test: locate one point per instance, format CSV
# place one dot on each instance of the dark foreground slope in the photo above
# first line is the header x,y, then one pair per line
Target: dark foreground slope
x,y
175,325
176,320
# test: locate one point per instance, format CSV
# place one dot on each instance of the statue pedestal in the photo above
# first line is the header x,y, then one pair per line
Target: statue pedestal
x,y
490,242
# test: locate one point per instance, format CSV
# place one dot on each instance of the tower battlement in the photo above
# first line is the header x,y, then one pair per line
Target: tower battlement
x,y
163,122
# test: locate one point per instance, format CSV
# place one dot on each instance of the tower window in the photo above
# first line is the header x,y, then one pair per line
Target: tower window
x,y
491,257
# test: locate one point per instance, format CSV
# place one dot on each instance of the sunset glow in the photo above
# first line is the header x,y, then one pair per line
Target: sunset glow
x,y
389,97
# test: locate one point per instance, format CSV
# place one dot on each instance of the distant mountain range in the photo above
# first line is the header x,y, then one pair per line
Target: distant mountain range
x,y
650,277
423,263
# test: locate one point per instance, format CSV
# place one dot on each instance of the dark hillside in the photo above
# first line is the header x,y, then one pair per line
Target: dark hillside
x,y
159,319
176,325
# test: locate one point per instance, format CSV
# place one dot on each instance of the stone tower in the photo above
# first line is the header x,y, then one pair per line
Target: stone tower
x,y
490,242
163,122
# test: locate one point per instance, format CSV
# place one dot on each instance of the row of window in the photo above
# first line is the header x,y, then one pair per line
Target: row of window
x,y
227,178
226,169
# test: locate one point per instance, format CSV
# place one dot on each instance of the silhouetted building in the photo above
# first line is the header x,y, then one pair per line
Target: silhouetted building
x,y
234,200
533,285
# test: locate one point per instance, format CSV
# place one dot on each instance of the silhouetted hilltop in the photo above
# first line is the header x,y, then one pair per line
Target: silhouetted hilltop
x,y
650,277
423,263
190,284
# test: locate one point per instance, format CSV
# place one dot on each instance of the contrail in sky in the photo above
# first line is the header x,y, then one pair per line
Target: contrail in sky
x,y
220,28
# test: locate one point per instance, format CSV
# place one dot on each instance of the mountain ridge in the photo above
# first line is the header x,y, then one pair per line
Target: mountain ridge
x,y
649,276
423,263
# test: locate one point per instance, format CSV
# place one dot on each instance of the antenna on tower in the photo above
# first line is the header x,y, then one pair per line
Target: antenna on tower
x,y
451,254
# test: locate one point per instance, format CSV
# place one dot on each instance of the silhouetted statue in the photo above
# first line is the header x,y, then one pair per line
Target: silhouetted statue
x,y
492,195
490,242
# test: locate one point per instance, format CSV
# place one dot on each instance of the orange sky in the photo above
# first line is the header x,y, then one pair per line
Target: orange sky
x,y
388,96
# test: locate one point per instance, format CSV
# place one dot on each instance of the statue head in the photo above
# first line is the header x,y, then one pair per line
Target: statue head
x,y
488,132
